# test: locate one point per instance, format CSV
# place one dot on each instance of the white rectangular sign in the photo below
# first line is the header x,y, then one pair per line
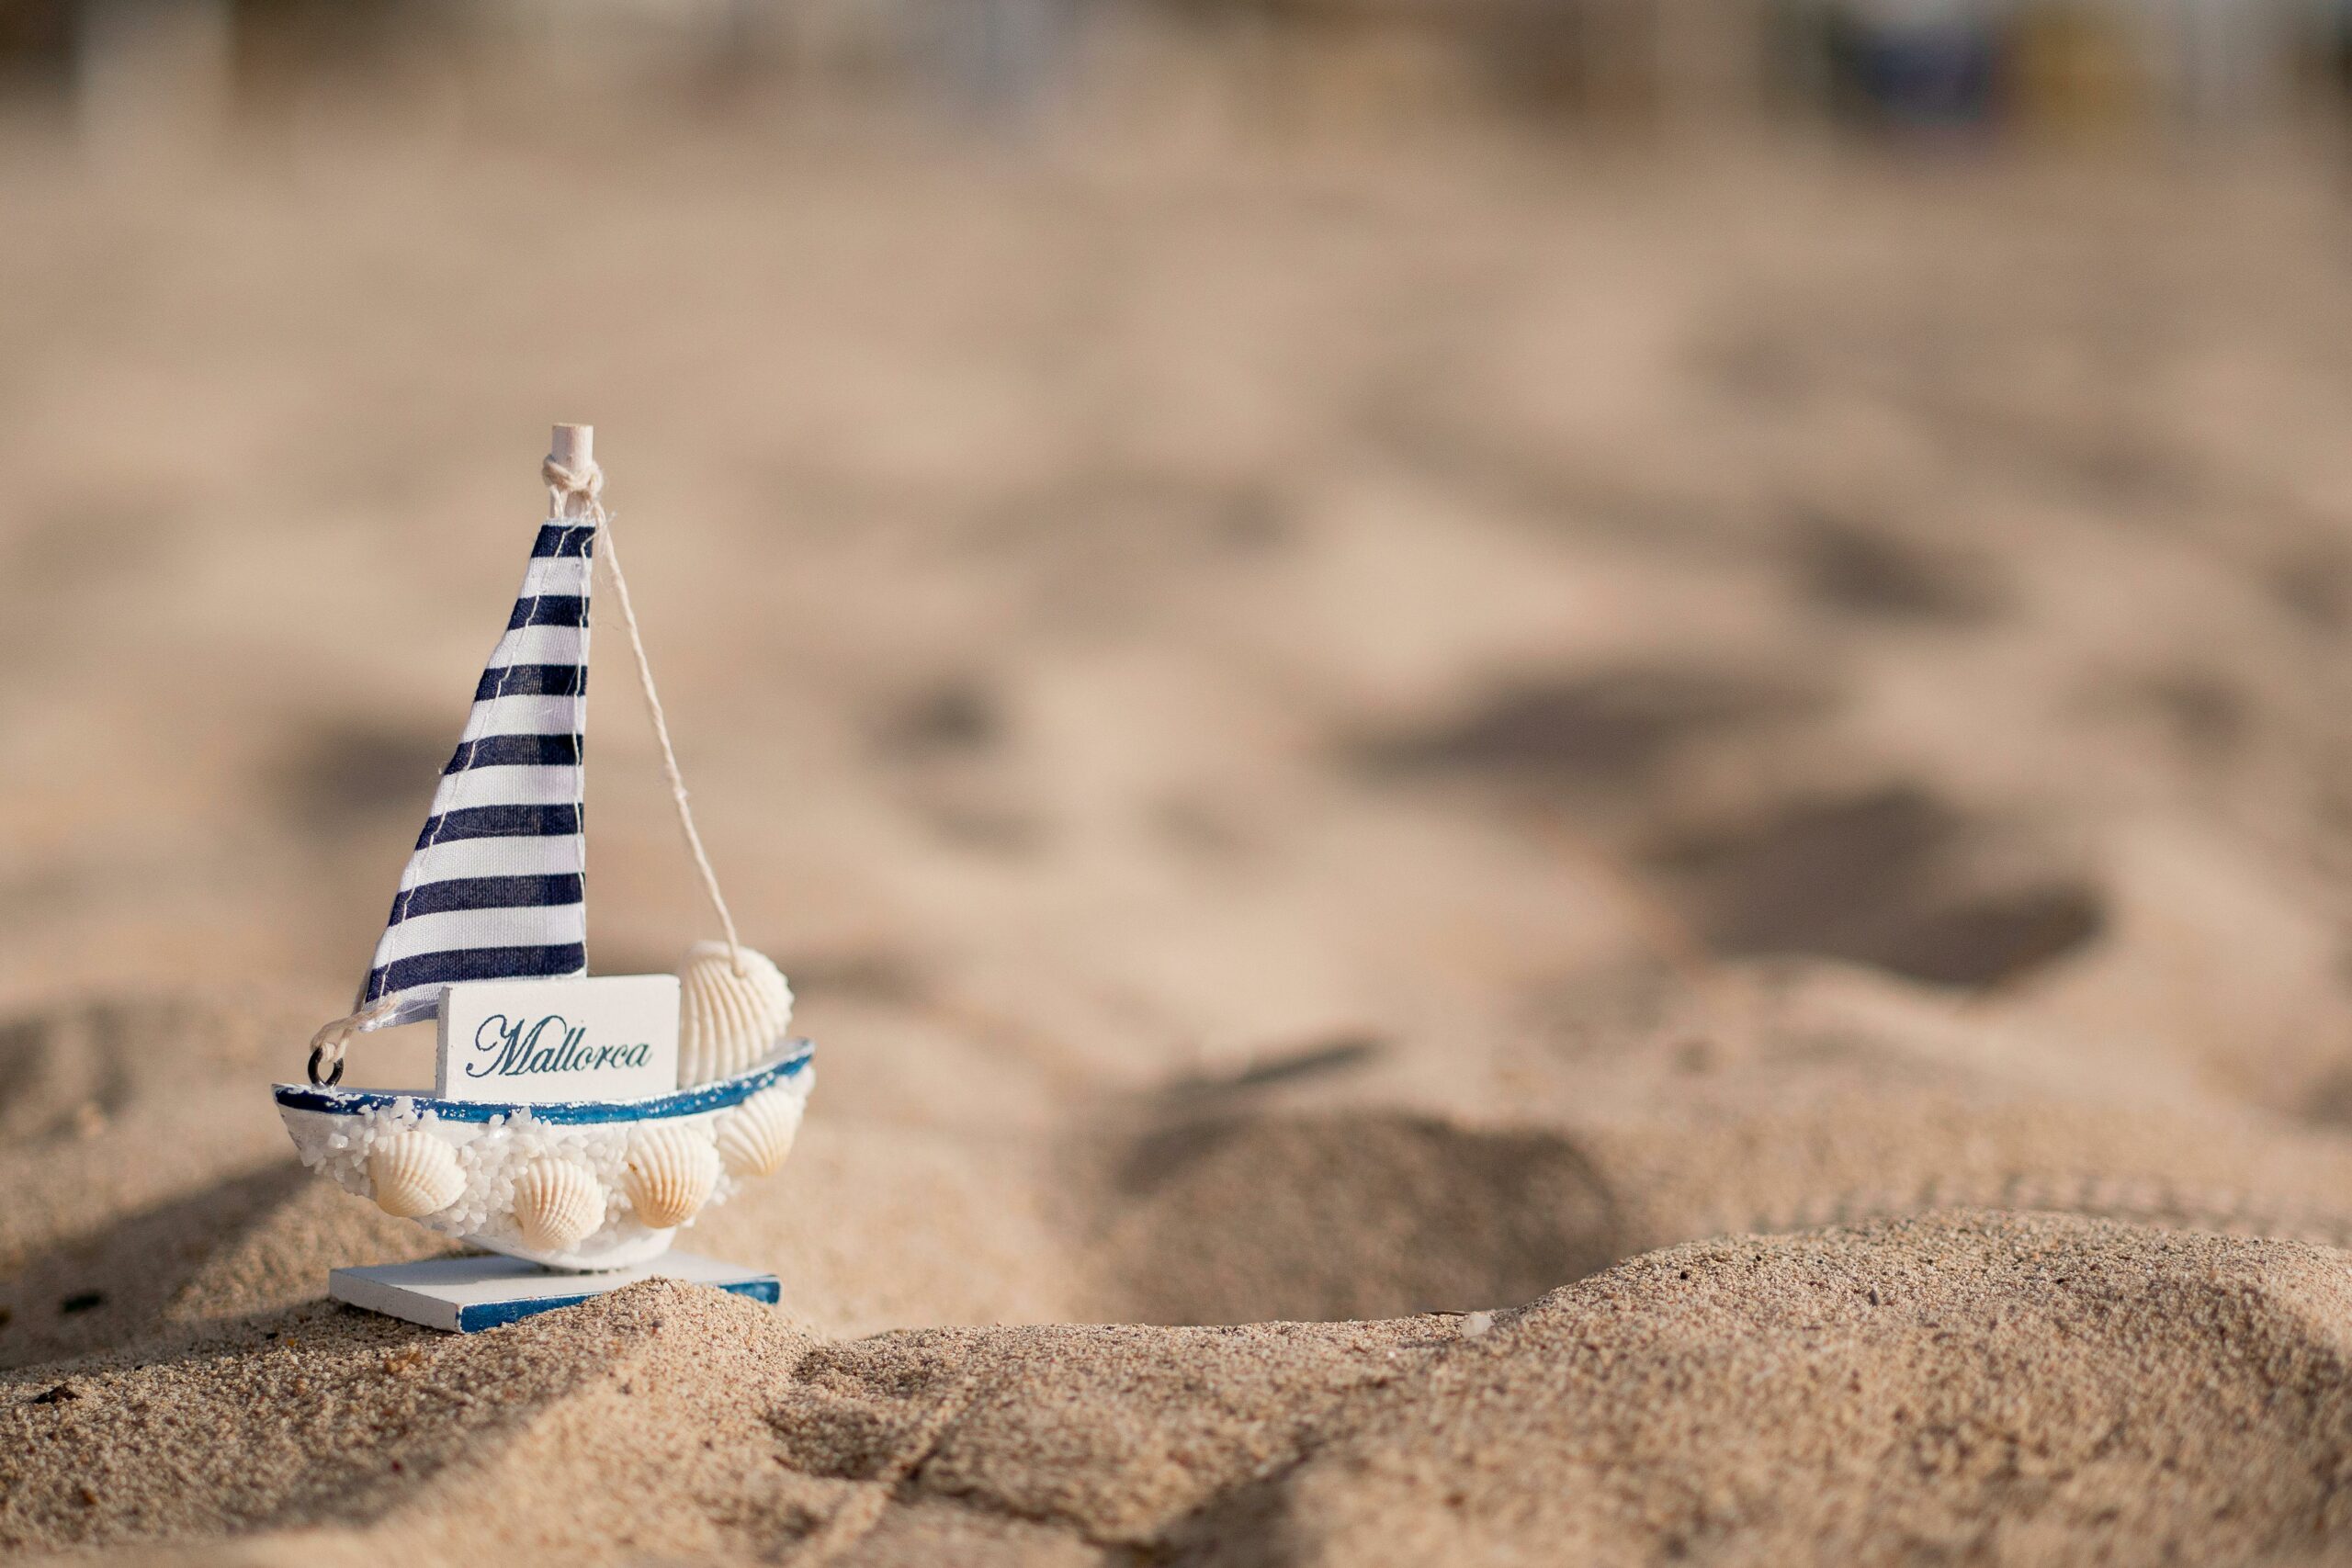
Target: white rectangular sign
x,y
535,1042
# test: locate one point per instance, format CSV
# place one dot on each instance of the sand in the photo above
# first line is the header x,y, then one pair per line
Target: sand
x,y
1500,854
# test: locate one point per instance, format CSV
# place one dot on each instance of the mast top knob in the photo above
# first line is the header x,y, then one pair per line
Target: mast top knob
x,y
573,446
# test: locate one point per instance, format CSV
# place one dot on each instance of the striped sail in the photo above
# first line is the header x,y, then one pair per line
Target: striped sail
x,y
494,889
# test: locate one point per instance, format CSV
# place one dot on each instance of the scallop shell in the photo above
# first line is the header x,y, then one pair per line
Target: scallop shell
x,y
414,1174
754,1140
671,1173
558,1204
727,1021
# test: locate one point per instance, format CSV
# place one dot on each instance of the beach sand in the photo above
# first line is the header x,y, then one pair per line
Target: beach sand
x,y
1498,855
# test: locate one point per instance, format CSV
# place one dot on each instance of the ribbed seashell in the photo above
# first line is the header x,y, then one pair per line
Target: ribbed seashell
x,y
414,1174
754,1137
671,1173
727,1021
558,1204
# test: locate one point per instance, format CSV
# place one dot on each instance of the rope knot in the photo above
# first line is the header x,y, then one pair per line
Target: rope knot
x,y
586,480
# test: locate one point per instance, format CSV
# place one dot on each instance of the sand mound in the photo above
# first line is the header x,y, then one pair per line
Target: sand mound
x,y
2027,1388
320,1417
2019,1389
2026,1385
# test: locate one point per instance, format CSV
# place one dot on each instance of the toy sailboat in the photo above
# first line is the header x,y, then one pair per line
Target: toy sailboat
x,y
576,1123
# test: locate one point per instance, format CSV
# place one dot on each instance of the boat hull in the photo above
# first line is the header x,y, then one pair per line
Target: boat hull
x,y
746,1121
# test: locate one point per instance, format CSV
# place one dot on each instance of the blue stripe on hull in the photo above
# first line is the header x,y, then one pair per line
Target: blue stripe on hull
x,y
686,1102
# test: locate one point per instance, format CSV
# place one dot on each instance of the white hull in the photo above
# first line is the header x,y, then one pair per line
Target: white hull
x,y
337,1129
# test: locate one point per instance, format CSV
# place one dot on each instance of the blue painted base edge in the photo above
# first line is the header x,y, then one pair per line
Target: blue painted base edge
x,y
766,1289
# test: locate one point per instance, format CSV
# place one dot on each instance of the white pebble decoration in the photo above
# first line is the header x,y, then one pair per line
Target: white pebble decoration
x,y
756,1136
557,1204
728,1021
414,1174
671,1173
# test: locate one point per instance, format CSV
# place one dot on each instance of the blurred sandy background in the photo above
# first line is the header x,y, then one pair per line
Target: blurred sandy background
x,y
1364,659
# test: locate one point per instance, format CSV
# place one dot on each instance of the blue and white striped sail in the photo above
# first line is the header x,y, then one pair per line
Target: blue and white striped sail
x,y
495,888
